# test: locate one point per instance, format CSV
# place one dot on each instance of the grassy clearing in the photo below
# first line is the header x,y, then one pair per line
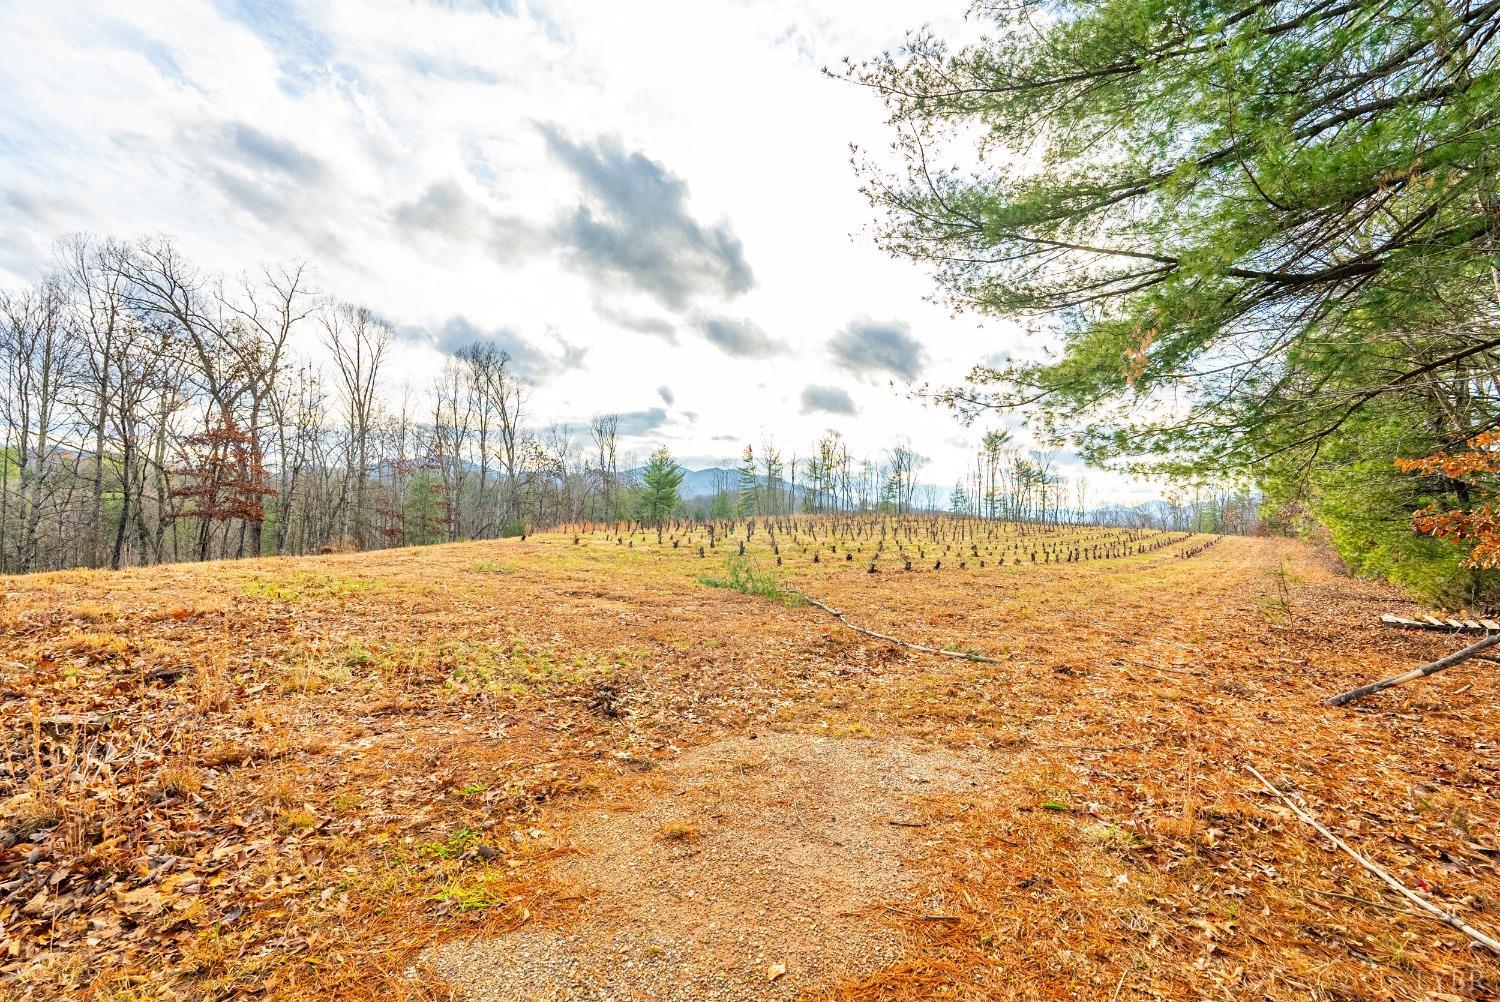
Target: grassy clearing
x,y
305,586
343,768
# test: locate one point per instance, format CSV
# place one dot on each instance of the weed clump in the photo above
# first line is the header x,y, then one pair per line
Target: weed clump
x,y
680,831
742,577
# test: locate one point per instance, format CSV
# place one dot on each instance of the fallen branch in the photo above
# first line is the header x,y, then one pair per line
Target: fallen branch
x,y
922,917
890,639
1450,920
1440,664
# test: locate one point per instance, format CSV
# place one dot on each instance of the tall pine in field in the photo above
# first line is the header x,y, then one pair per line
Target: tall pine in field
x,y
1261,236
749,503
660,480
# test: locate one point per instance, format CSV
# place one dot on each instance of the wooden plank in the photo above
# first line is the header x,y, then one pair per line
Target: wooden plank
x,y
1391,619
1435,623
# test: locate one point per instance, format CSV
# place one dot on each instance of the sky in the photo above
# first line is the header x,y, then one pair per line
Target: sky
x,y
650,205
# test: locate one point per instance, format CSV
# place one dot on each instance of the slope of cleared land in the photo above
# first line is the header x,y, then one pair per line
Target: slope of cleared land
x,y
512,769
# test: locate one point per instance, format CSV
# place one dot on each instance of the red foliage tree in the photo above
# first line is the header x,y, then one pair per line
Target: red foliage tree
x,y
222,479
1477,526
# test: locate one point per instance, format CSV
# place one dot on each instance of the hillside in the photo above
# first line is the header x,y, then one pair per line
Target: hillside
x,y
566,767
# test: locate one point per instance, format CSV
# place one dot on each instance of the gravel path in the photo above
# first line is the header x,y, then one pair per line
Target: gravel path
x,y
753,854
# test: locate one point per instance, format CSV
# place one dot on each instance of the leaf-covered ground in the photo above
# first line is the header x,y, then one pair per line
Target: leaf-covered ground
x,y
292,777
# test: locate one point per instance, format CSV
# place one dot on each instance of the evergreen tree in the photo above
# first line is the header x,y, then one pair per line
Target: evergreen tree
x,y
958,501
660,480
424,512
749,503
1262,233
891,494
721,507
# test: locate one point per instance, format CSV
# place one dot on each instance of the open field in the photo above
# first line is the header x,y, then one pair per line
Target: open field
x,y
575,767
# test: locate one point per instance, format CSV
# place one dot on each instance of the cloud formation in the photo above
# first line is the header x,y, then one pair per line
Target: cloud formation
x,y
249,145
638,423
635,229
446,211
655,326
738,338
868,347
231,167
305,53
828,400
458,332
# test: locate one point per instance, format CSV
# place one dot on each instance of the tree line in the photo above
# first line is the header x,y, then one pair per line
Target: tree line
x,y
152,411
1006,483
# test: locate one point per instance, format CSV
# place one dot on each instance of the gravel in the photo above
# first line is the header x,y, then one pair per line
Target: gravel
x,y
786,853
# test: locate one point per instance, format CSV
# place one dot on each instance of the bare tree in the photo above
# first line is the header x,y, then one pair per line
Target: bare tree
x,y
771,463
40,359
605,430
266,312
357,340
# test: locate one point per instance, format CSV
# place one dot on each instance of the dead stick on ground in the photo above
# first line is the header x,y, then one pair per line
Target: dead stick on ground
x,y
925,918
1366,901
1440,664
894,640
1410,895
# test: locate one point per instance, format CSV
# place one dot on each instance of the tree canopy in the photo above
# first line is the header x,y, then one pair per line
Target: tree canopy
x,y
1262,235
660,479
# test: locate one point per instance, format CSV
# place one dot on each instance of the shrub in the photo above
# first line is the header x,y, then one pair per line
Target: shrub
x,y
741,576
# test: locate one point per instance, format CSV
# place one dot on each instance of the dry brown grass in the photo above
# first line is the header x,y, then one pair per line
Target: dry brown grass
x,y
680,831
1131,691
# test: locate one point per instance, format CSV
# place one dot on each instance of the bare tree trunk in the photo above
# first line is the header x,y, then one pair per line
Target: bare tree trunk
x,y
127,459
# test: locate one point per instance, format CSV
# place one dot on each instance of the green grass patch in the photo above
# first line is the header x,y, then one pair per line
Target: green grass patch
x,y
451,848
741,576
303,586
475,891
357,655
516,670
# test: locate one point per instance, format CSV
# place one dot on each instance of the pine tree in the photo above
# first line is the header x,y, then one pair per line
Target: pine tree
x,y
661,478
424,510
721,507
958,501
890,494
1259,236
749,485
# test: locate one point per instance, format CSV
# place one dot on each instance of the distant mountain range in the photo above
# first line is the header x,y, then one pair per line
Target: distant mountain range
x,y
698,484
